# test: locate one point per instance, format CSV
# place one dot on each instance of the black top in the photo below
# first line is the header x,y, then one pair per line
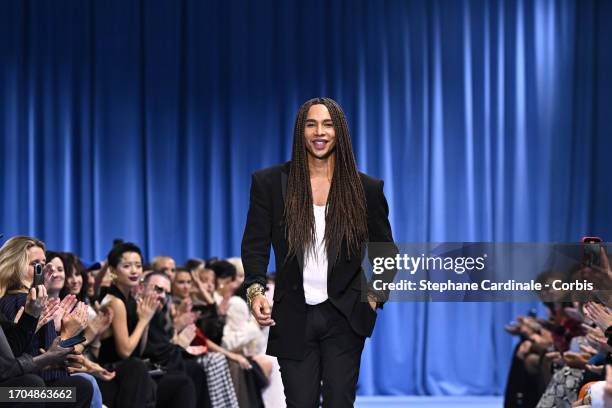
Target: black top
x,y
9,305
108,350
160,349
16,337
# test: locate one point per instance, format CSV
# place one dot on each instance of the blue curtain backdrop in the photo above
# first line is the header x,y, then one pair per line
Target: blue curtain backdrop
x,y
488,120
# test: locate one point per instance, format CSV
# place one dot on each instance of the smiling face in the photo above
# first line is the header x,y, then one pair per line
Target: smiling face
x,y
319,132
129,270
74,282
56,283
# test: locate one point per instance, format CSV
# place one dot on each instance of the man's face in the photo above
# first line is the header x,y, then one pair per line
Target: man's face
x,y
159,287
168,266
319,132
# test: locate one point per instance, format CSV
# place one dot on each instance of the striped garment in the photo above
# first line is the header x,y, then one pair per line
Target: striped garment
x,y
220,386
9,305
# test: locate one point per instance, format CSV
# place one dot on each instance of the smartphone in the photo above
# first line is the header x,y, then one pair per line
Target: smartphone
x,y
39,277
73,341
591,247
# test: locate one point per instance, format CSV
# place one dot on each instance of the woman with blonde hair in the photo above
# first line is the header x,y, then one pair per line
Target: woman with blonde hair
x,y
18,257
16,267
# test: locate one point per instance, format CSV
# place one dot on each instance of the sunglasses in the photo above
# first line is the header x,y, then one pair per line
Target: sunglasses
x,y
160,291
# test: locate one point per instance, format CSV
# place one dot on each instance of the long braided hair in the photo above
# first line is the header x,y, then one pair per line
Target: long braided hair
x,y
345,217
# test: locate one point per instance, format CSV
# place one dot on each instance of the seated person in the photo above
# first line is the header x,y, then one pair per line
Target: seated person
x,y
18,256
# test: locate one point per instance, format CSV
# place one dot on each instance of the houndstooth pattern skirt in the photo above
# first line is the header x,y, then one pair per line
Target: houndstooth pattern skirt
x,y
220,386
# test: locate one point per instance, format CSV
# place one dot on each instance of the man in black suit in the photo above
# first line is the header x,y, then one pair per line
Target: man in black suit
x,y
318,212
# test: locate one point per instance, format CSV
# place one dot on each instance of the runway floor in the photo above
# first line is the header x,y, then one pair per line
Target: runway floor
x,y
429,402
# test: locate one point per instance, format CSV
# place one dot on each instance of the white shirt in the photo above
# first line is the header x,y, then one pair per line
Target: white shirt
x,y
315,263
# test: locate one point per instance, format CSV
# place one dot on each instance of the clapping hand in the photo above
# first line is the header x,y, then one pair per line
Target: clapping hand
x,y
186,336
576,360
101,322
65,306
75,322
600,314
147,306
51,309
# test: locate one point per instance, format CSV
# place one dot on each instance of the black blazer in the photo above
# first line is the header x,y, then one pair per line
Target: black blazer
x,y
345,279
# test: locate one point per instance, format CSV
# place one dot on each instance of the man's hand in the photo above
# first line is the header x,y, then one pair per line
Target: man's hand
x,y
54,356
146,308
262,311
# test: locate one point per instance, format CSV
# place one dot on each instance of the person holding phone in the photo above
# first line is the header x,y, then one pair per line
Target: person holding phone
x,y
317,211
21,302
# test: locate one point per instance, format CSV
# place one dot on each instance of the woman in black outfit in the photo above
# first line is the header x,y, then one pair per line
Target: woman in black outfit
x,y
125,341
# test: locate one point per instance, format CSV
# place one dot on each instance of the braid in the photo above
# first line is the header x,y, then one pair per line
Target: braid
x,y
346,217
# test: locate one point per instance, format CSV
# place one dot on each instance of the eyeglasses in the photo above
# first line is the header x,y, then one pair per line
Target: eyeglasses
x,y
161,291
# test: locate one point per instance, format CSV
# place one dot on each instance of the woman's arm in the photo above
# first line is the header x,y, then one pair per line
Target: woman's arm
x,y
124,341
241,360
238,332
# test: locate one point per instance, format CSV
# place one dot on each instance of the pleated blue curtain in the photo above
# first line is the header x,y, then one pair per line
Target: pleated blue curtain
x,y
142,120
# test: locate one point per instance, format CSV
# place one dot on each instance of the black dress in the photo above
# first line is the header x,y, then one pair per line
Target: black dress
x,y
132,386
133,379
108,351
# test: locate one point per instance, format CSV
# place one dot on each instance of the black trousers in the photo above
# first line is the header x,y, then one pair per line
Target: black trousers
x,y
132,386
331,363
198,376
175,389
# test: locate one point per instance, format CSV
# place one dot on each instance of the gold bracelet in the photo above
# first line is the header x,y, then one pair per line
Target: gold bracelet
x,y
253,291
